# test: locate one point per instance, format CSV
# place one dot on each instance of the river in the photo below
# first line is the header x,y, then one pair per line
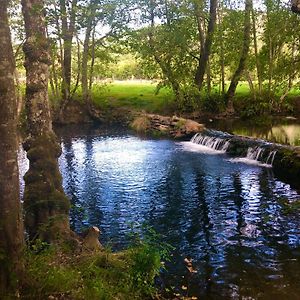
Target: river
x,y
226,217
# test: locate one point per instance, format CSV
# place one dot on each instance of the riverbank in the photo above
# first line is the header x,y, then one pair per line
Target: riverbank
x,y
117,99
286,164
80,270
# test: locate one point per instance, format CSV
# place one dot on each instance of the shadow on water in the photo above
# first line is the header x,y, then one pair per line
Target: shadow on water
x,y
224,216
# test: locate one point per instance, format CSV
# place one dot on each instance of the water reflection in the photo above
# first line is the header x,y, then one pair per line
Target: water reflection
x,y
277,131
223,215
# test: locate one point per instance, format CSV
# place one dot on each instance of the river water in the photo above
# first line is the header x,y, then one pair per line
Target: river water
x,y
281,130
224,216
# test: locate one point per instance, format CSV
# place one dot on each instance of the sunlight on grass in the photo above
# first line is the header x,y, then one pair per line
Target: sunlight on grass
x,y
132,94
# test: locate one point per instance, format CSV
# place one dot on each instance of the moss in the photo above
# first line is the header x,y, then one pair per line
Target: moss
x,y
180,124
44,196
66,273
158,133
141,124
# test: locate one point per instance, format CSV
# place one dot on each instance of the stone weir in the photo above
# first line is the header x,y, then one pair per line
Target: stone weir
x,y
285,160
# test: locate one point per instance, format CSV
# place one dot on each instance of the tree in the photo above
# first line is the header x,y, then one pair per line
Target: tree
x,y
45,204
244,54
68,19
205,43
11,224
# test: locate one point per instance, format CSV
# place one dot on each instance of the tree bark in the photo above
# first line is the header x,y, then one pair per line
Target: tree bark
x,y
163,62
45,204
257,62
68,29
205,51
11,224
242,63
85,56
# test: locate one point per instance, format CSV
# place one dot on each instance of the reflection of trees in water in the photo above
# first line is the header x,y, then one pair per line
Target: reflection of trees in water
x,y
200,205
279,133
285,134
91,187
70,183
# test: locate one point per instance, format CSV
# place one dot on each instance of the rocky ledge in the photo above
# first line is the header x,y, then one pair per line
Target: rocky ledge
x,y
175,127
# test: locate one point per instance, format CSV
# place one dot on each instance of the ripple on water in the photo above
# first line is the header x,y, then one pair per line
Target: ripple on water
x,y
225,216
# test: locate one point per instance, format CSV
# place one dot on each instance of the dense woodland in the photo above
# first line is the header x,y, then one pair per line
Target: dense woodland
x,y
200,50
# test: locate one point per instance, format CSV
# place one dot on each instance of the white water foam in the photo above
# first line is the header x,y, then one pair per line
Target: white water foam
x,y
192,147
249,161
204,142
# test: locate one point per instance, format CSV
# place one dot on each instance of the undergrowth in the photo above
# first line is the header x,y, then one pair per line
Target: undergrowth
x,y
66,273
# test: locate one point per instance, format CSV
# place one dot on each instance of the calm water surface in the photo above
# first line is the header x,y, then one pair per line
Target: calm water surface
x,y
223,215
282,131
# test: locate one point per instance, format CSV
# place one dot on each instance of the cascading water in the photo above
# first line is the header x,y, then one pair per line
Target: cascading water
x,y
256,154
270,158
215,143
218,141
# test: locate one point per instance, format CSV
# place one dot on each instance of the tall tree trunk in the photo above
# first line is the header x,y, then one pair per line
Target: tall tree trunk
x,y
68,28
244,54
163,62
92,61
205,51
85,56
257,62
222,56
11,225
208,76
45,204
67,33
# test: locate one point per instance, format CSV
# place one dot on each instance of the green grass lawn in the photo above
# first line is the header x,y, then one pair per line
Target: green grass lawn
x,y
140,95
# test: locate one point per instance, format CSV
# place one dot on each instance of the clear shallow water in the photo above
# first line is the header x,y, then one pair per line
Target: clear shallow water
x,y
223,215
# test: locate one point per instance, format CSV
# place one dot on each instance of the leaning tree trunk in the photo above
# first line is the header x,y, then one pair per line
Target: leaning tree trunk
x,y
205,50
45,204
11,225
245,50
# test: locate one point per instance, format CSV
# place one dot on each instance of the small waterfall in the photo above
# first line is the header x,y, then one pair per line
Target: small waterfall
x,y
254,153
215,143
258,154
270,158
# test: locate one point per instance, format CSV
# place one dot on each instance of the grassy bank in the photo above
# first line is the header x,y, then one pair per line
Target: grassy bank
x,y
68,272
139,95
142,95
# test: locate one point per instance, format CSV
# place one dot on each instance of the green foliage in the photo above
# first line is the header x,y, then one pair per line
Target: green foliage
x,y
60,272
147,254
214,103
